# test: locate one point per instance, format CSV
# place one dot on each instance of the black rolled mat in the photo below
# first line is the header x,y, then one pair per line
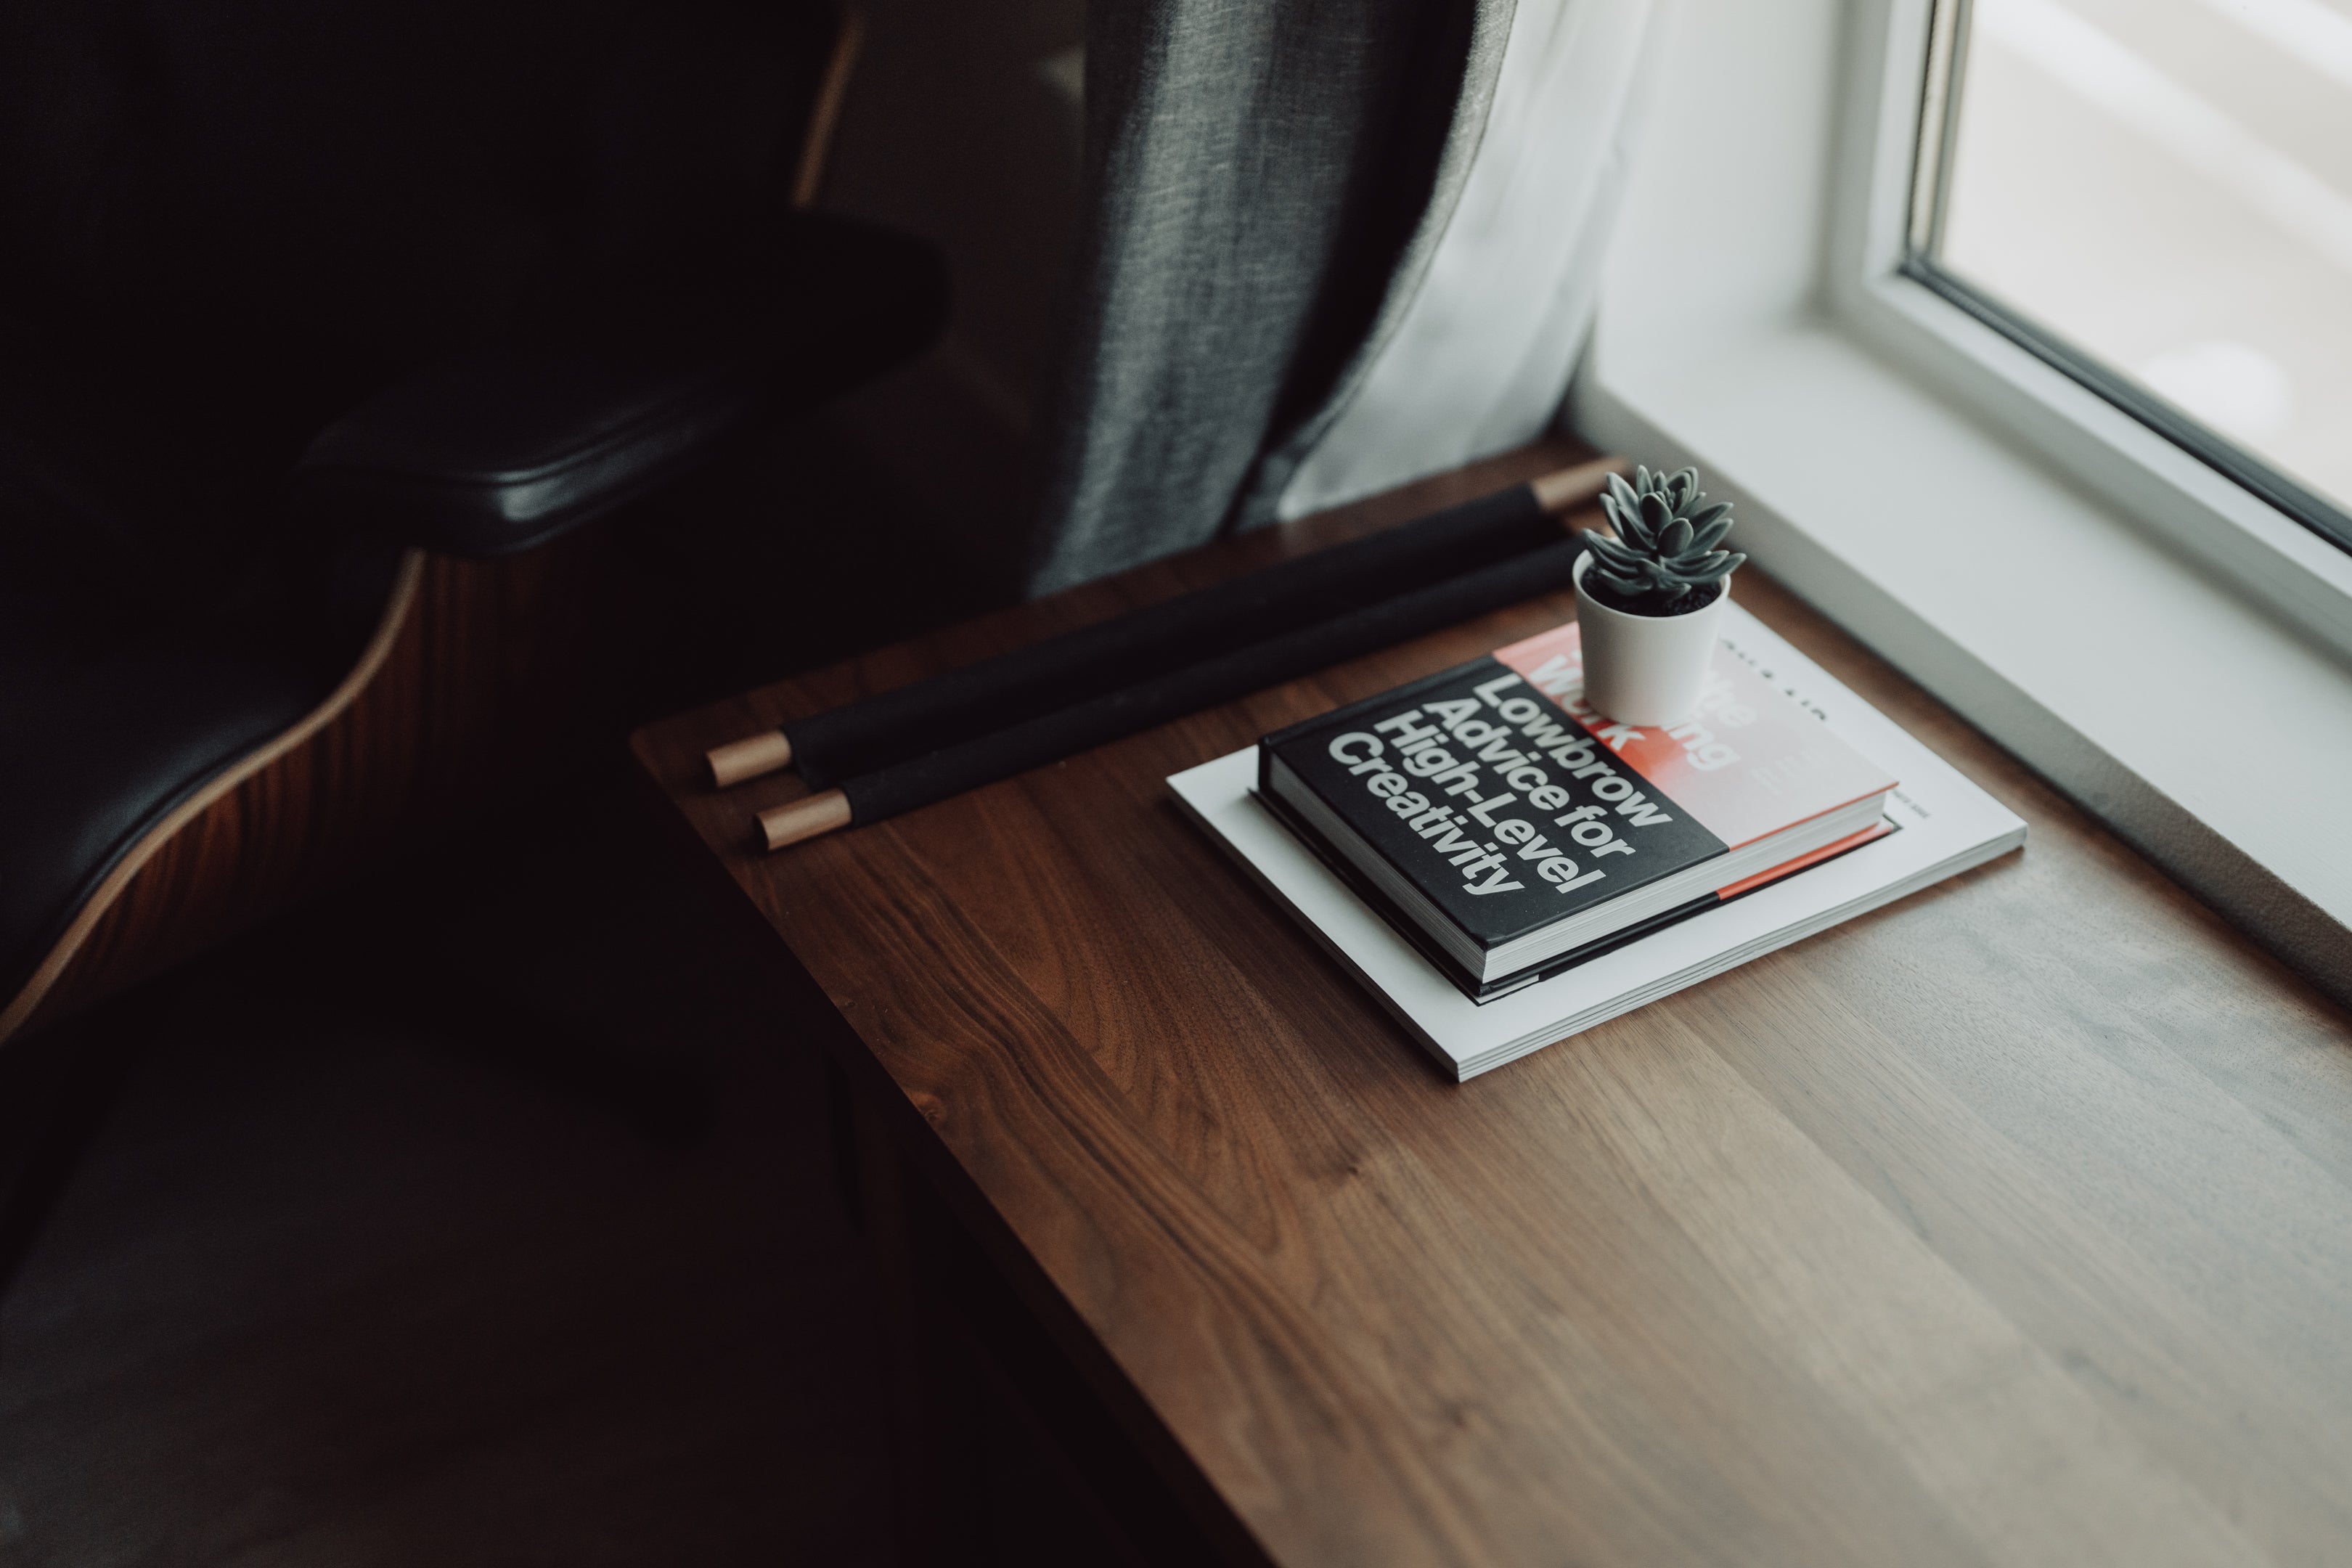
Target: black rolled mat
x,y
950,770
1045,679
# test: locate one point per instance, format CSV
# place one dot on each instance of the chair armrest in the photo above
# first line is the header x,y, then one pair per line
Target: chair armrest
x,y
498,453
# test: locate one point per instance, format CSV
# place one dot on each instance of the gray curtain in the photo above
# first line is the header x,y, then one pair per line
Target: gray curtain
x,y
1265,179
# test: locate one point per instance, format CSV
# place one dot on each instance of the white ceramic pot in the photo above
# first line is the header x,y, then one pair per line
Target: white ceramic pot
x,y
1645,670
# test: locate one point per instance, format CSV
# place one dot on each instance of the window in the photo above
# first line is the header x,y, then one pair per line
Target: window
x,y
2155,197
2065,577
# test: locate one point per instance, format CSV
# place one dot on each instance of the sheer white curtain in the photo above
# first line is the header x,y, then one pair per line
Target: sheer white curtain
x,y
1326,246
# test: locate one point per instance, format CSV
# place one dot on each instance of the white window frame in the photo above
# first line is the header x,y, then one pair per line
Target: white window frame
x,y
2267,554
2172,653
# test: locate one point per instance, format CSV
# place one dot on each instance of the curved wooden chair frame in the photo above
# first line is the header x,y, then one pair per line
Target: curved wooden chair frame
x,y
433,705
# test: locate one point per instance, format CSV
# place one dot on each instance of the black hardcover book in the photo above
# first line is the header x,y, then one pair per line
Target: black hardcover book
x,y
1479,989
1515,831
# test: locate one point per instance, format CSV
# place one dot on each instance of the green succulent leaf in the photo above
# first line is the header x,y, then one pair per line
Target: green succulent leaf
x,y
1634,530
1612,554
1666,539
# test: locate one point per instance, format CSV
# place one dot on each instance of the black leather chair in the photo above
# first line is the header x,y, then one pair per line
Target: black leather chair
x,y
304,308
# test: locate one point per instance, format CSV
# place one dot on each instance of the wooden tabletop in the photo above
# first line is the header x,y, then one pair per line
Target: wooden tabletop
x,y
2011,1223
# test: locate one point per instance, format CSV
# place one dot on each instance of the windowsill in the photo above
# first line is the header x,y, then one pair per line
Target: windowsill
x,y
2214,740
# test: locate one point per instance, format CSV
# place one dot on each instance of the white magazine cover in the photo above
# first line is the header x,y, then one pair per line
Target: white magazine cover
x,y
1947,826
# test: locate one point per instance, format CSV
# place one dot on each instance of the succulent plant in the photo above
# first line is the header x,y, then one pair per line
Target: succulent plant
x,y
1665,544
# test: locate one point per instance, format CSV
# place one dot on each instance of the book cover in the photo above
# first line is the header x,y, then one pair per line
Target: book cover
x,y
1946,824
1482,991
1510,805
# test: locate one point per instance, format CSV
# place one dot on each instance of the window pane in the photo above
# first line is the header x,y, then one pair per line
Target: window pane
x,y
2167,185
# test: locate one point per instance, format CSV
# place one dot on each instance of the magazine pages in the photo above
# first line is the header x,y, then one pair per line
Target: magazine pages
x,y
1947,824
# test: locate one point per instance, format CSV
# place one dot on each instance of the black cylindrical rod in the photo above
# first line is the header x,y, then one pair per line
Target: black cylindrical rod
x,y
870,797
1047,677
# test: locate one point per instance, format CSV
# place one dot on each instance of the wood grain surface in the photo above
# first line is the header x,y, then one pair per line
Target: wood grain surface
x,y
467,680
2012,1223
